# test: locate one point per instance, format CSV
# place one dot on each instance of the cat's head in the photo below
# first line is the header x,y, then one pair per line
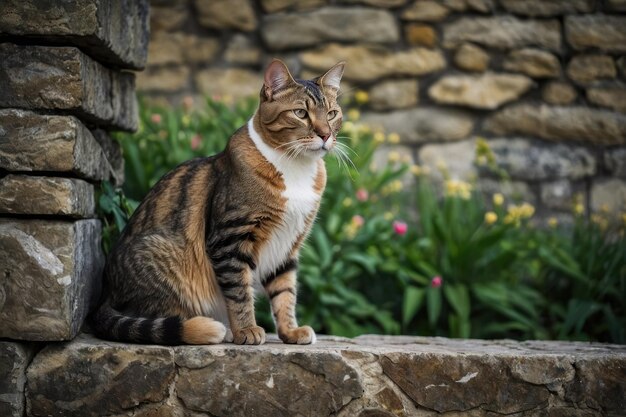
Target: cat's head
x,y
300,117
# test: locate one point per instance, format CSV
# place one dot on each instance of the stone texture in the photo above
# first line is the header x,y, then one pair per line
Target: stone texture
x,y
425,10
113,152
94,378
164,79
528,160
534,63
557,195
181,48
610,193
168,19
615,161
226,14
558,92
560,123
470,57
241,50
65,79
612,96
544,8
424,124
366,376
422,35
24,194
14,358
458,158
33,142
291,384
596,31
233,82
272,6
516,191
393,94
621,66
371,63
50,277
503,32
616,5
295,30
114,32
585,69
485,91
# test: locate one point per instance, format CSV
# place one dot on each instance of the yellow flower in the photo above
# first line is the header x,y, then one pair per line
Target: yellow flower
x,y
579,208
354,114
361,97
393,138
347,202
456,188
602,222
379,137
417,170
526,210
498,199
393,156
395,186
388,216
604,208
491,217
186,120
553,222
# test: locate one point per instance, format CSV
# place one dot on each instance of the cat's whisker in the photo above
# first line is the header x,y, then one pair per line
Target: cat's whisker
x,y
346,147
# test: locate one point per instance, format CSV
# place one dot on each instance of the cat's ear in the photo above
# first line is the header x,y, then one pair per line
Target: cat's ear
x,y
332,78
277,77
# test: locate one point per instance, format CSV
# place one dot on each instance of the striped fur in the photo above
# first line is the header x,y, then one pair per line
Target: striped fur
x,y
211,230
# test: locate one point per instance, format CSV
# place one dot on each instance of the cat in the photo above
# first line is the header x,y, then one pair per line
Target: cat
x,y
214,229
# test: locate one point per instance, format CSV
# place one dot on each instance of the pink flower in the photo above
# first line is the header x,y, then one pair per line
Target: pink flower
x,y
195,141
362,194
358,220
436,282
156,118
400,227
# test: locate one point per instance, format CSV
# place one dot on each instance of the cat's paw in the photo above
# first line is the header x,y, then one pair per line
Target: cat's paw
x,y
228,337
253,335
300,335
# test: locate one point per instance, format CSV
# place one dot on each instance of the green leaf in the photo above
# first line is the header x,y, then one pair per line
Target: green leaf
x,y
433,304
413,299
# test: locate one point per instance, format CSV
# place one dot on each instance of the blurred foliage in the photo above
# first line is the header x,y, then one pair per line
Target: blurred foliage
x,y
391,254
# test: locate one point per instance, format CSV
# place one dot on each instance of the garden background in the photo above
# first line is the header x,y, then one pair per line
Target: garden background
x,y
486,196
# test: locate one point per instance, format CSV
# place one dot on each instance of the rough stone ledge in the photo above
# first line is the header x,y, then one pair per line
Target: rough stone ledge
x,y
113,32
365,376
60,78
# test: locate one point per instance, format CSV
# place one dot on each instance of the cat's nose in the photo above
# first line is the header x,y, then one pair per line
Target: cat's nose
x,y
324,136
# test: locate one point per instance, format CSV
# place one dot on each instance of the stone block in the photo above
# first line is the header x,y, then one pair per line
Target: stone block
x,y
470,57
616,5
226,14
65,79
503,32
242,50
394,94
571,124
368,63
609,95
34,195
533,62
376,3
60,144
272,6
615,161
528,160
423,124
113,32
557,195
426,11
14,358
596,31
295,30
180,48
232,82
513,191
93,378
113,152
457,158
50,277
421,35
484,91
543,8
166,80
586,69
167,18
608,193
558,92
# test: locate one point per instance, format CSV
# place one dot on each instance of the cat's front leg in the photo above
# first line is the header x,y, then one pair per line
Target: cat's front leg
x,y
281,290
235,281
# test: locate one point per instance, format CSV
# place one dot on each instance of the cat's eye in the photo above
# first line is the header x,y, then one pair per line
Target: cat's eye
x,y
301,113
331,114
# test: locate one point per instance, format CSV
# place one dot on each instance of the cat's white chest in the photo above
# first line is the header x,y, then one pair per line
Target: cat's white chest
x,y
301,201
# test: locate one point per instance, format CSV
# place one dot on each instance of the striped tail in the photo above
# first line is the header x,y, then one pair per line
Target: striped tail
x,y
110,324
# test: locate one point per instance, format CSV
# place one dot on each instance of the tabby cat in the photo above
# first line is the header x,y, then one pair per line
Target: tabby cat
x,y
212,230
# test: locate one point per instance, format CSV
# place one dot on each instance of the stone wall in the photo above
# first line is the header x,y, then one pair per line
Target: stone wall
x,y
370,376
64,86
542,80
